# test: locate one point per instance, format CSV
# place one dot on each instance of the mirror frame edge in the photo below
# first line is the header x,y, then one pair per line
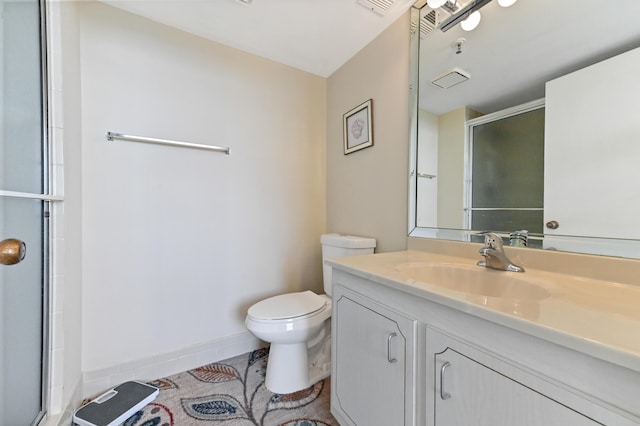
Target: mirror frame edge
x,y
414,72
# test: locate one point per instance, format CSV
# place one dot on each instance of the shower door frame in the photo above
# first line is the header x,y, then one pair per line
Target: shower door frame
x,y
46,198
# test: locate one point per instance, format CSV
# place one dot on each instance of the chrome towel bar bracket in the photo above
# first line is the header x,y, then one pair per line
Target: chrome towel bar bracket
x,y
112,136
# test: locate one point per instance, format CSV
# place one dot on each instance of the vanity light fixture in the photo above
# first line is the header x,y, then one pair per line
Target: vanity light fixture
x,y
471,22
467,15
434,4
463,14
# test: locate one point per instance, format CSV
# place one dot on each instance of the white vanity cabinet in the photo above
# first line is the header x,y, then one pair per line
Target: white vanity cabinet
x,y
472,387
406,357
374,353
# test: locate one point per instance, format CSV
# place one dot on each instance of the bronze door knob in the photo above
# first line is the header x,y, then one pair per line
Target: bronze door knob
x,y
552,224
12,251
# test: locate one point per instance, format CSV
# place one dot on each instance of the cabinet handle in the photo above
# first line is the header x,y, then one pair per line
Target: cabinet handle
x,y
389,359
443,394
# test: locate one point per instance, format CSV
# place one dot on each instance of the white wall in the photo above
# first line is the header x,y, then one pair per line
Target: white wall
x,y
177,243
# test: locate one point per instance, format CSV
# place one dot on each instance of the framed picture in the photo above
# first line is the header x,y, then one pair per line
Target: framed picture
x,y
357,128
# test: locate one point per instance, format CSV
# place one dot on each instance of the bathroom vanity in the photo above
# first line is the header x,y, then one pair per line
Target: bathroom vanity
x,y
425,339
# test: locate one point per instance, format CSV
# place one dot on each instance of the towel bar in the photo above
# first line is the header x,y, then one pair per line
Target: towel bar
x,y
112,136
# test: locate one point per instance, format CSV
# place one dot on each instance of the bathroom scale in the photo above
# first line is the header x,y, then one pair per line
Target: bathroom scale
x,y
115,406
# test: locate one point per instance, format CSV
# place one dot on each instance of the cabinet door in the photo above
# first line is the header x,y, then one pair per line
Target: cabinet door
x,y
469,393
373,364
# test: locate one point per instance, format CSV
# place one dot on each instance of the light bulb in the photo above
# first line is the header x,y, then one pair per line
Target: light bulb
x,y
471,22
506,3
434,4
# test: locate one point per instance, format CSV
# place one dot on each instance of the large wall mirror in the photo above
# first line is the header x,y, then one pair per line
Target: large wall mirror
x,y
529,122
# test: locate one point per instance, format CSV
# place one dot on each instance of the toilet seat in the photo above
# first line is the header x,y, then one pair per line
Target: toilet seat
x,y
287,306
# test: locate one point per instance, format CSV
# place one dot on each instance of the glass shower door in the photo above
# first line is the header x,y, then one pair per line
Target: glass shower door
x,y
21,306
507,173
23,215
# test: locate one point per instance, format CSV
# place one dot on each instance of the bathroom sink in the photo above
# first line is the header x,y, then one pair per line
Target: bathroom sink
x,y
476,280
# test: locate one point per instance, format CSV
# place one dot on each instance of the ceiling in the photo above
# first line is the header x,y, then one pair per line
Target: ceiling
x,y
316,36
515,50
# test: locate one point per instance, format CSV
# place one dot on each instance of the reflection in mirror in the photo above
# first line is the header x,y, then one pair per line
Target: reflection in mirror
x,y
527,122
506,166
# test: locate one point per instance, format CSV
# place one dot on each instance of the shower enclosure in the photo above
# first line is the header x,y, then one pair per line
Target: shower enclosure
x,y
23,213
505,186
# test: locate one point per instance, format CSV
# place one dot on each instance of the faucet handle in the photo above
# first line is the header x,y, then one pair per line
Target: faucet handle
x,y
493,240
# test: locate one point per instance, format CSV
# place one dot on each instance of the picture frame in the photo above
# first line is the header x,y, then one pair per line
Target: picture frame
x,y
358,128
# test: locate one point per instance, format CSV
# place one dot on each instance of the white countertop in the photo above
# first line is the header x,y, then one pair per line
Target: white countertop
x,y
598,318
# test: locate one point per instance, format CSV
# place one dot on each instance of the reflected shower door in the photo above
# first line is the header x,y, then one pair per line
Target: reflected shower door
x,y
22,215
507,176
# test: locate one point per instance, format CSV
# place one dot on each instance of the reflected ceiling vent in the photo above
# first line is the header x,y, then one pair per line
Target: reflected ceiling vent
x,y
431,20
381,7
451,78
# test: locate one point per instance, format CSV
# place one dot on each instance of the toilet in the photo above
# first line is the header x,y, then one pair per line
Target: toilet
x,y
298,325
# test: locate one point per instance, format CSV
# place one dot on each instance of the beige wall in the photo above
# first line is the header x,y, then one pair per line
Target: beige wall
x,y
451,169
367,189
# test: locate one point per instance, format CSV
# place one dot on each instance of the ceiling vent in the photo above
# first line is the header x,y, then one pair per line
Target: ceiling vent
x,y
381,7
451,78
431,20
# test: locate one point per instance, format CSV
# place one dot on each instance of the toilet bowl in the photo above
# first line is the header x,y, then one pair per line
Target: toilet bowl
x,y
291,323
298,325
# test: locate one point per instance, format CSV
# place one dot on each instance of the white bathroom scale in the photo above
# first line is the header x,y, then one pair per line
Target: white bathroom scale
x,y
115,406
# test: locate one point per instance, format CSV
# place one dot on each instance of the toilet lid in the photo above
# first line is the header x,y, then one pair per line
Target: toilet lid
x,y
288,305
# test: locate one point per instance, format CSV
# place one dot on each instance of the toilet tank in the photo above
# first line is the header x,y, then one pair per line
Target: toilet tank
x,y
341,245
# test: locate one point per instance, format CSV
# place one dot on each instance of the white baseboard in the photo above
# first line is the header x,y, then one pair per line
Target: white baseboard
x,y
158,366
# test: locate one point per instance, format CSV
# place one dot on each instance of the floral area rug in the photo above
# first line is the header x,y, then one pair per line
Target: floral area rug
x,y
232,393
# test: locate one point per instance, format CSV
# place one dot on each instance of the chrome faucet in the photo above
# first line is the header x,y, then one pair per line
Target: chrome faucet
x,y
494,255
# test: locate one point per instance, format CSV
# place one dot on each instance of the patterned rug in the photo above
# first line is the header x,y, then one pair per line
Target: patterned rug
x,y
232,393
